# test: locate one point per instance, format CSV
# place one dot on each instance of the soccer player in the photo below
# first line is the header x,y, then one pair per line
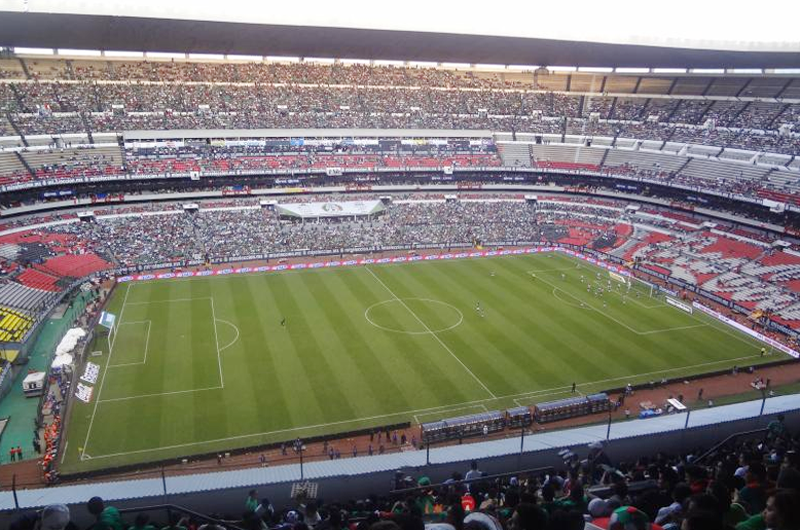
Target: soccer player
x,y
283,322
491,274
563,276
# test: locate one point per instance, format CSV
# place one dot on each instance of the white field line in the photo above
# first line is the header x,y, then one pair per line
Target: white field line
x,y
105,372
169,300
447,411
542,392
146,343
632,376
64,453
216,342
434,335
231,343
621,323
127,398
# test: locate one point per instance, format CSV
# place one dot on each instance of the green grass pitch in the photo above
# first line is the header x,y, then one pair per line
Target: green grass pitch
x,y
204,364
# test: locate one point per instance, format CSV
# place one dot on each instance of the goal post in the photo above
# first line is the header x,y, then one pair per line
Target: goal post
x,y
618,277
108,321
644,286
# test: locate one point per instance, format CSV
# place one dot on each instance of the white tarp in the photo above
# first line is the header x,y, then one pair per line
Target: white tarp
x,y
69,341
61,360
315,210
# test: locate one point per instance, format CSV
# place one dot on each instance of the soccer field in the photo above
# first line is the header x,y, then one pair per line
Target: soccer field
x,y
207,364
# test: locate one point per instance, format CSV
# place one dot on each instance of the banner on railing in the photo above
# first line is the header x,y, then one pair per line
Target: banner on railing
x,y
84,392
744,329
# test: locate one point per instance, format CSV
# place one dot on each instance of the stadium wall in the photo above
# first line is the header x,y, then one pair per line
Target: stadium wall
x,y
339,480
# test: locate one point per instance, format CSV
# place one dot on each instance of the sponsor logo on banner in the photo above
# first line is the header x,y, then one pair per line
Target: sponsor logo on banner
x,y
446,256
333,263
431,257
124,279
186,274
280,267
84,392
244,270
461,255
350,262
147,277
90,373
400,259
317,265
415,258
223,272
475,254
299,266
368,261
263,268
166,276
204,273
492,253
384,260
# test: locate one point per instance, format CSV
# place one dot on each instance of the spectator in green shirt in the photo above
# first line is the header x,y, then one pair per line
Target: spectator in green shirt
x,y
251,503
107,517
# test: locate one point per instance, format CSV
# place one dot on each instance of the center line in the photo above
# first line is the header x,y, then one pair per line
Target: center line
x,y
435,336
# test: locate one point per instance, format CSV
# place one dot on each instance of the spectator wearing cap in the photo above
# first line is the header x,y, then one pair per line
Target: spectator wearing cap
x,y
630,518
754,494
56,517
107,517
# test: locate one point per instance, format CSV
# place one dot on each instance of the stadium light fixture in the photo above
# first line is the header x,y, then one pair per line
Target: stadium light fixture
x,y
596,69
79,53
282,59
755,71
629,70
714,71
793,71
234,57
669,70
33,51
457,66
205,56
165,55
523,67
490,67
117,53
354,61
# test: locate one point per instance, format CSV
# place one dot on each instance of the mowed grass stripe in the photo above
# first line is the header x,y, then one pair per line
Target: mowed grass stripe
x,y
434,373
497,340
330,370
590,338
551,337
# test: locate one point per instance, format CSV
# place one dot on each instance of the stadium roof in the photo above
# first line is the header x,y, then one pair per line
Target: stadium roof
x,y
574,34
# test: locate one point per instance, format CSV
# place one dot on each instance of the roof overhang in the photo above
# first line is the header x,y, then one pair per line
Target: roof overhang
x,y
101,32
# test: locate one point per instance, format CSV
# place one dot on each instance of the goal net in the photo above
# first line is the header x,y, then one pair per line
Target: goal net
x,y
643,287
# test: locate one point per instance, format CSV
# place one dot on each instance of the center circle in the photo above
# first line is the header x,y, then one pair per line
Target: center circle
x,y
414,316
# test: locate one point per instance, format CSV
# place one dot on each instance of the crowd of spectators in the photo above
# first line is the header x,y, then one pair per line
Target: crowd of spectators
x,y
163,95
750,484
